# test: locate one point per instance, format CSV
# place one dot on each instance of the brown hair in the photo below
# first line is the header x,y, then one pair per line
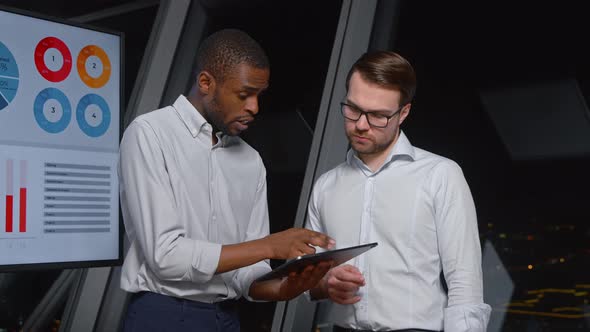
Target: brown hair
x,y
386,69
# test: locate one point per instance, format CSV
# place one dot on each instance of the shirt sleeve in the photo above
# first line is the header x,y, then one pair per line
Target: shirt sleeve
x,y
150,215
313,222
258,227
460,250
313,214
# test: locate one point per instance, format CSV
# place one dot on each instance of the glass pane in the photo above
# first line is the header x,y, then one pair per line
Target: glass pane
x,y
298,40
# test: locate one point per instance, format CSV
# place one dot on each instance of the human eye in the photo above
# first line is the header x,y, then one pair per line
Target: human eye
x,y
377,115
351,109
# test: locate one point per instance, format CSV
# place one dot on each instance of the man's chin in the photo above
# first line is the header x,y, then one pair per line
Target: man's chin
x,y
232,132
362,148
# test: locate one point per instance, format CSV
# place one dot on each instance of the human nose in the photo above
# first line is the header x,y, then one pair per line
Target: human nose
x,y
252,106
363,122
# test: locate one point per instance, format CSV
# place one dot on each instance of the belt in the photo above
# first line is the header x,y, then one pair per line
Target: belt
x,y
345,329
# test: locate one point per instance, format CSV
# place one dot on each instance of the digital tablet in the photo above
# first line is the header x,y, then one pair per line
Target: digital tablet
x,y
338,256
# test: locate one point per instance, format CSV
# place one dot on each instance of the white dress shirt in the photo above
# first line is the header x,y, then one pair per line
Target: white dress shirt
x,y
182,198
419,209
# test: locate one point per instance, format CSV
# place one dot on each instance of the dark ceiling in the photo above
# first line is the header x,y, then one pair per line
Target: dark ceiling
x,y
63,8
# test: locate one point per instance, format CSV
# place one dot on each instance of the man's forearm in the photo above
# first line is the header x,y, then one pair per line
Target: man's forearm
x,y
235,256
287,244
266,291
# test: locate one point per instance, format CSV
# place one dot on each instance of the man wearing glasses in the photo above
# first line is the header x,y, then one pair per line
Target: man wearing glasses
x,y
415,204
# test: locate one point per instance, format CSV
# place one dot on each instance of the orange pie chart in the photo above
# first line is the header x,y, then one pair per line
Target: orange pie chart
x,y
94,66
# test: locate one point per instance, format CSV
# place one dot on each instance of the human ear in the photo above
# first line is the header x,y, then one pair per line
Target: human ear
x,y
404,112
205,82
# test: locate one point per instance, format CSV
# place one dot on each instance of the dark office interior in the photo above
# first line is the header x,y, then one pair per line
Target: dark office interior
x,y
503,89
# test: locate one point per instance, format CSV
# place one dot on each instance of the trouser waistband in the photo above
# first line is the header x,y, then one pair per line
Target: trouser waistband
x,y
164,299
344,329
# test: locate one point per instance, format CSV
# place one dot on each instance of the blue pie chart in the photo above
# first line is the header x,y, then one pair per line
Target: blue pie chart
x,y
93,115
52,110
8,77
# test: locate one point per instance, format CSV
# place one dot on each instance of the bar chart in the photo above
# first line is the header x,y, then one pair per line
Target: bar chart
x,y
11,203
51,204
9,196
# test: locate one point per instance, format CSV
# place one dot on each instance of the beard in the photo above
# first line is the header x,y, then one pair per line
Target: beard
x,y
369,146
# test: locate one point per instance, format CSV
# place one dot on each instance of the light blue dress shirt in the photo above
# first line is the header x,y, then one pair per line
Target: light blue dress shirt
x,y
183,198
419,209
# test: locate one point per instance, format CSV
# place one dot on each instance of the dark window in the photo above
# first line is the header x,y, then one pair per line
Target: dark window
x,y
298,38
503,90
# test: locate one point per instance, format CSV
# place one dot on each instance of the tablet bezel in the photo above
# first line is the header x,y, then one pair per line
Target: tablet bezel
x,y
338,256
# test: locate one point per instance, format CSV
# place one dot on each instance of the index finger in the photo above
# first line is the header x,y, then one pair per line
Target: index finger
x,y
320,240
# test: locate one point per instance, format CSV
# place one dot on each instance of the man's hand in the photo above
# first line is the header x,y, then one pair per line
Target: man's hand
x,y
297,283
291,286
296,242
340,285
282,245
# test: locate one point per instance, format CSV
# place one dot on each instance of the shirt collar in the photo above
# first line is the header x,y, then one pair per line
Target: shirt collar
x,y
190,116
402,147
195,122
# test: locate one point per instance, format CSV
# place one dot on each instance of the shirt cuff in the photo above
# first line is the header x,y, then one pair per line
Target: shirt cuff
x,y
246,276
205,260
467,318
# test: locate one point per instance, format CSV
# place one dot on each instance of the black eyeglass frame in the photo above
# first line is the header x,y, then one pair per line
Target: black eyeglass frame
x,y
362,112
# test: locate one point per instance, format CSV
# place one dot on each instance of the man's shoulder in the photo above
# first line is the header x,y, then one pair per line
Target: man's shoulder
x,y
332,173
155,122
156,117
439,166
425,156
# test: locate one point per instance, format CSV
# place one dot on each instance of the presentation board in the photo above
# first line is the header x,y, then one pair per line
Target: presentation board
x,y
60,102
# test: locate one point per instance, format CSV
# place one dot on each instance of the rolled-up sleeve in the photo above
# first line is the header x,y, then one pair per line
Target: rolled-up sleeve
x,y
258,227
468,317
150,215
460,250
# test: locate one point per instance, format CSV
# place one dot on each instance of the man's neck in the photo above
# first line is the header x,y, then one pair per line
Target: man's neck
x,y
196,101
376,160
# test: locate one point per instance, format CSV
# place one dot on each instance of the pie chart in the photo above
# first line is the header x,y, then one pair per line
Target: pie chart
x,y
53,59
93,115
52,110
8,77
94,66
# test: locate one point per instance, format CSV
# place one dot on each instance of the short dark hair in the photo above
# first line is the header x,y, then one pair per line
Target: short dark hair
x,y
386,69
222,51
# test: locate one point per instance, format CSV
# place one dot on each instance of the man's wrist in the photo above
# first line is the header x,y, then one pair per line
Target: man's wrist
x,y
316,293
264,247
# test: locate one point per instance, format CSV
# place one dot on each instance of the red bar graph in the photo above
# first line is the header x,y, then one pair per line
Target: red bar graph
x,y
9,213
9,196
22,222
22,225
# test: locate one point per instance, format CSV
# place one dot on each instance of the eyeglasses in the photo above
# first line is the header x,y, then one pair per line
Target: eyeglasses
x,y
375,119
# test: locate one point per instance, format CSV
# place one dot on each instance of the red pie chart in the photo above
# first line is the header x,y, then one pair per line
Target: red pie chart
x,y
53,59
